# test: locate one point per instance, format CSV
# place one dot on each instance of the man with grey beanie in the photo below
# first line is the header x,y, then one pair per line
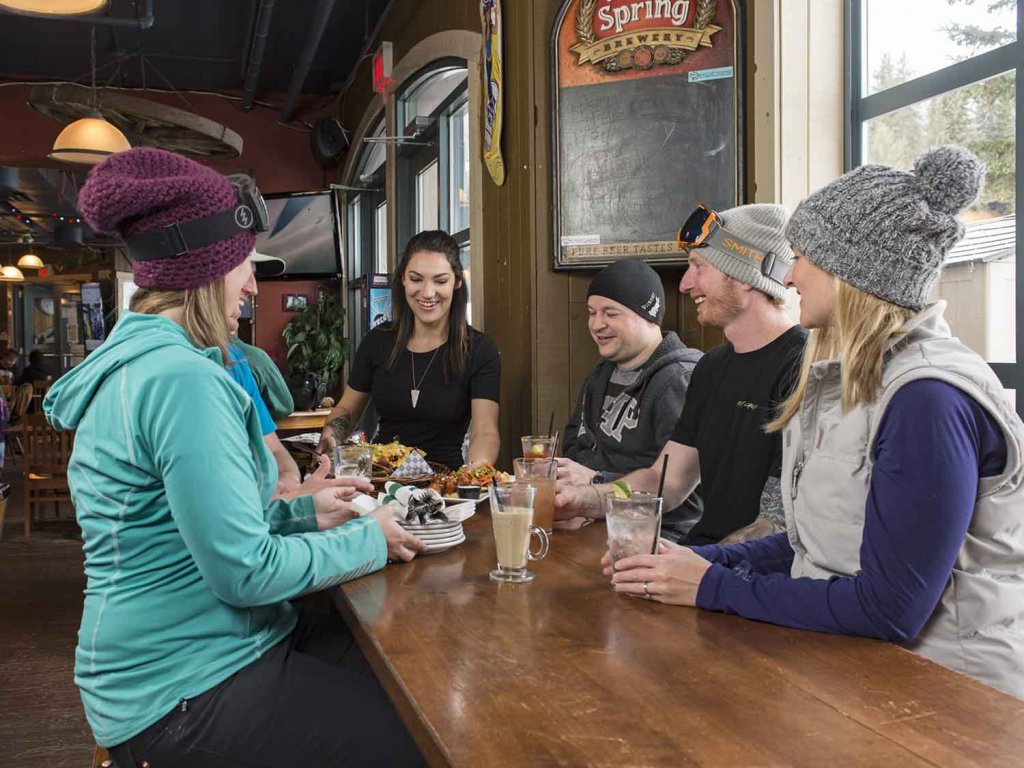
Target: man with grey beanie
x,y
632,398
738,259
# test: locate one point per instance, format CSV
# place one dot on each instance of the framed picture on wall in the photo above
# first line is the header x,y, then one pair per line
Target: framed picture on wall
x,y
294,302
647,123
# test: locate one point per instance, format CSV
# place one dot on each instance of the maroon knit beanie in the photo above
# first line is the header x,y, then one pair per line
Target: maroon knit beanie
x,y
144,189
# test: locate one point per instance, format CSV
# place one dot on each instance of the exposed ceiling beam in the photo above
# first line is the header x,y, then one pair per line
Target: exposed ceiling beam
x,y
316,32
257,47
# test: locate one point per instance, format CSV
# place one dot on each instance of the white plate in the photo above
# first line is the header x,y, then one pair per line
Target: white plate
x,y
428,538
459,510
432,527
439,548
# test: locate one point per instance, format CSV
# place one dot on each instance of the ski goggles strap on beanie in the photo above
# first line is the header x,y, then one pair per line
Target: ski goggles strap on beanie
x,y
177,239
704,227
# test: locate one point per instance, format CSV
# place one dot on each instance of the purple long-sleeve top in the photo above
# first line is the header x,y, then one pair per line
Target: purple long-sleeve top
x,y
918,509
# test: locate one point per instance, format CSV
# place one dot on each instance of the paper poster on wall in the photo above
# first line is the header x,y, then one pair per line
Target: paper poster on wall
x,y
647,124
378,306
92,315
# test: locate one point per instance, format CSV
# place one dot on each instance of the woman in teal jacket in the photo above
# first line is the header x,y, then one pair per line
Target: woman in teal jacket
x,y
189,652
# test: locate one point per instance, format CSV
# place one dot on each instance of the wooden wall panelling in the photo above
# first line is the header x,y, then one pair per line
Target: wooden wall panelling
x,y
554,316
507,236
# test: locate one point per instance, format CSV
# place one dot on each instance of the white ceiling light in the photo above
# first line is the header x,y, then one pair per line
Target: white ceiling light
x,y
31,261
11,274
89,141
54,7
92,139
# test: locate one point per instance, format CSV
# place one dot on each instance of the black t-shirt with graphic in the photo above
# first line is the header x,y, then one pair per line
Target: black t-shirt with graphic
x,y
730,399
438,422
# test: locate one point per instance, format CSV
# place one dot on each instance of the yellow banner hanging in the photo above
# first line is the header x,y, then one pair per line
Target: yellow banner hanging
x,y
490,15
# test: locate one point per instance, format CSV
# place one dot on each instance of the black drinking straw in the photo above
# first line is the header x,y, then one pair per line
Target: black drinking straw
x,y
661,487
551,423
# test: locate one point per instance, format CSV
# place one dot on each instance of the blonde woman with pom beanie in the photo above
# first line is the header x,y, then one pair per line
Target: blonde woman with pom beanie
x,y
903,459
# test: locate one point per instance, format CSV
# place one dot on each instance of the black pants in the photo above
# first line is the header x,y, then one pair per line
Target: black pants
x,y
312,700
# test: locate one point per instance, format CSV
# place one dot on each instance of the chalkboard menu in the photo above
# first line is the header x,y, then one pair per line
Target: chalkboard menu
x,y
647,124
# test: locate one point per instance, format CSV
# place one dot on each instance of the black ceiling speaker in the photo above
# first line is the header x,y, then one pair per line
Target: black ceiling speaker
x,y
68,235
327,140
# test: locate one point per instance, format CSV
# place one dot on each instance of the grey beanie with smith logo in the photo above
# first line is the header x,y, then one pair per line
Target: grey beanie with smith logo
x,y
634,285
762,225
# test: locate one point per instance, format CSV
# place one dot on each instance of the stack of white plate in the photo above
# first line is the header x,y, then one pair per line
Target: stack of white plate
x,y
438,535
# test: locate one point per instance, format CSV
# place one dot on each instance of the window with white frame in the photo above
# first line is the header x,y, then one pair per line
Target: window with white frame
x,y
433,156
366,216
921,73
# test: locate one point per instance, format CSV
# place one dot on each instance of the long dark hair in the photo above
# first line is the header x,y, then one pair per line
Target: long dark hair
x,y
456,357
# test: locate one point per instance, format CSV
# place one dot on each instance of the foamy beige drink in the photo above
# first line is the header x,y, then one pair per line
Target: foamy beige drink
x,y
512,535
512,510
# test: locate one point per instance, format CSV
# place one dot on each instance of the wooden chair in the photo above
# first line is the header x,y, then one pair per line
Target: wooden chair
x,y
18,407
47,452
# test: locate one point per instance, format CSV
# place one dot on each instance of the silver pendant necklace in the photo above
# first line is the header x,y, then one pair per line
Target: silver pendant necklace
x,y
414,393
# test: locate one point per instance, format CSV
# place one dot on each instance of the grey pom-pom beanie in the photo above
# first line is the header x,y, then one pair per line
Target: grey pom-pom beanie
x,y
763,225
887,231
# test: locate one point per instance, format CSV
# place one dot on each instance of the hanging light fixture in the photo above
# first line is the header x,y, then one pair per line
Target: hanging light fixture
x,y
54,7
29,259
91,139
11,274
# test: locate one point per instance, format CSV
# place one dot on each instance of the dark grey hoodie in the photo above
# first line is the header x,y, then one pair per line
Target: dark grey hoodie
x,y
631,432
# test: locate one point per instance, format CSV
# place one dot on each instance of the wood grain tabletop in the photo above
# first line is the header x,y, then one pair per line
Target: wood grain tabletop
x,y
564,671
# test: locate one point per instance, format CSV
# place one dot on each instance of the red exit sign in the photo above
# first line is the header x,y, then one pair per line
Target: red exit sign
x,y
382,68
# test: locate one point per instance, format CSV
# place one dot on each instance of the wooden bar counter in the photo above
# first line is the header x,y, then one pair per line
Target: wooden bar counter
x,y
304,420
565,672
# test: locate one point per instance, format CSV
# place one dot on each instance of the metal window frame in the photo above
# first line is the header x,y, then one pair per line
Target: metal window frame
x,y
412,159
860,109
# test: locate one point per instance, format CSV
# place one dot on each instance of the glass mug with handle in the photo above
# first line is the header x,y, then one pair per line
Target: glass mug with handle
x,y
512,518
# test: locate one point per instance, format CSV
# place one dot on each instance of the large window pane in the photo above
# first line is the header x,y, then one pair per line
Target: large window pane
x,y
428,94
381,240
426,198
356,319
458,205
355,238
375,155
979,278
904,39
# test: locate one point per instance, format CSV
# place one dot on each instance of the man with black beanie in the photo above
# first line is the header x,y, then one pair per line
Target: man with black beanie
x,y
735,390
632,398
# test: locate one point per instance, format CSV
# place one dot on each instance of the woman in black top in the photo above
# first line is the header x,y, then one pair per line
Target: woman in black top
x,y
430,374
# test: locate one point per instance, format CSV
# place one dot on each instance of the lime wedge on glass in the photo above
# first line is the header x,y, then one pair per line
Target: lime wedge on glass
x,y
621,489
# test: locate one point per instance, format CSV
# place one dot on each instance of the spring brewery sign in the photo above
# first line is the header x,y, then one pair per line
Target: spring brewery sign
x,y
646,124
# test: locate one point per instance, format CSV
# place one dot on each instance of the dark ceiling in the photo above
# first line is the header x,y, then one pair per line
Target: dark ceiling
x,y
194,44
279,49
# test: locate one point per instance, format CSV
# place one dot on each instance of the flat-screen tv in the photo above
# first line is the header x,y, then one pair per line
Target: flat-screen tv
x,y
303,231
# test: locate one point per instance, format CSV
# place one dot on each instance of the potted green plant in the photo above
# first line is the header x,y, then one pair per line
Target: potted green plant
x,y
317,349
